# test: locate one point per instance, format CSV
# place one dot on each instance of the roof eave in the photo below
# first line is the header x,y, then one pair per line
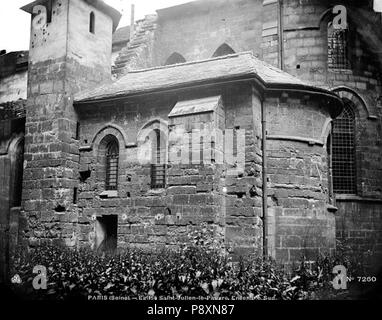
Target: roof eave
x,y
334,111
189,85
263,86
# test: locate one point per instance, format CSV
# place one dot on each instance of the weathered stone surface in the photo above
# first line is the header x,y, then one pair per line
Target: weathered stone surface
x,y
57,70
297,124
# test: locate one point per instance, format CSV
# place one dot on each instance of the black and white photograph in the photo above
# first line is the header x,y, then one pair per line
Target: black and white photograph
x,y
191,158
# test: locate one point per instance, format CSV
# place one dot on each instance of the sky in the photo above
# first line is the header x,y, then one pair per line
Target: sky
x,y
15,23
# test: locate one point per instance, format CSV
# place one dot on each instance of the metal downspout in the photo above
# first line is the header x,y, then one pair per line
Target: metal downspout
x,y
264,178
280,25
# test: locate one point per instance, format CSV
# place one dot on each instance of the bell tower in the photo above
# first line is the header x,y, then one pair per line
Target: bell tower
x,y
70,50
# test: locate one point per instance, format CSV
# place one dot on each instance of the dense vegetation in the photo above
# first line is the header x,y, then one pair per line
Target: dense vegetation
x,y
196,269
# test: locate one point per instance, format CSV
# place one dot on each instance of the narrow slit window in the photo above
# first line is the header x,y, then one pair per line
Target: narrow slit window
x,y
343,152
92,22
77,131
112,158
213,151
158,168
75,192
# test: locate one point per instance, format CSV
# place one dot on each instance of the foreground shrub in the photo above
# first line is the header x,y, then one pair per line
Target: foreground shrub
x,y
316,277
191,271
198,269
135,274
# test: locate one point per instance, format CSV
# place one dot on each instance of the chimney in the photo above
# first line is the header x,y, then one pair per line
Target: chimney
x,y
132,21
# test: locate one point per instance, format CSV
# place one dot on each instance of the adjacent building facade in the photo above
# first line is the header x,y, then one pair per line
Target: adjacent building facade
x,y
258,120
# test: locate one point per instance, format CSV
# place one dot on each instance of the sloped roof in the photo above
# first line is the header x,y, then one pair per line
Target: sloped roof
x,y
121,35
182,108
234,66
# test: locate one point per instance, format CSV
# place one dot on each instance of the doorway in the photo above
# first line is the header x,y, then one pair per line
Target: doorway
x,y
106,233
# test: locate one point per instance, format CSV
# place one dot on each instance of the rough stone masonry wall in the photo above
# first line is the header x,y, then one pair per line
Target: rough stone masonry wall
x,y
51,155
13,87
243,201
194,33
138,52
270,37
194,193
305,55
358,225
358,218
197,33
56,71
299,224
145,217
308,49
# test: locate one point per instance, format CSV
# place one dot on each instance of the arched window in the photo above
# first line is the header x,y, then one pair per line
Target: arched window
x,y
338,55
112,159
343,151
92,22
223,50
152,140
174,59
158,165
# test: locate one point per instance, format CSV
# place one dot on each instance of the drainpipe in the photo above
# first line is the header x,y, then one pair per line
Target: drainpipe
x,y
264,178
330,181
132,22
280,25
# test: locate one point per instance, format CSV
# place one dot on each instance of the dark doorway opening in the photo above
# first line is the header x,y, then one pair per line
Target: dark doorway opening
x,y
106,233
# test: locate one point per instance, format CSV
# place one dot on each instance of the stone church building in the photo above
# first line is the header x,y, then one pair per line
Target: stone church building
x,y
260,120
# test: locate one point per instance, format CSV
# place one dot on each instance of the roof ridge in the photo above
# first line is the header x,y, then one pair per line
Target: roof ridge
x,y
228,56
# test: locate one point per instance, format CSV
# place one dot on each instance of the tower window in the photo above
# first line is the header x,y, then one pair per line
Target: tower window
x,y
92,23
112,157
77,131
75,194
343,152
158,168
338,56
